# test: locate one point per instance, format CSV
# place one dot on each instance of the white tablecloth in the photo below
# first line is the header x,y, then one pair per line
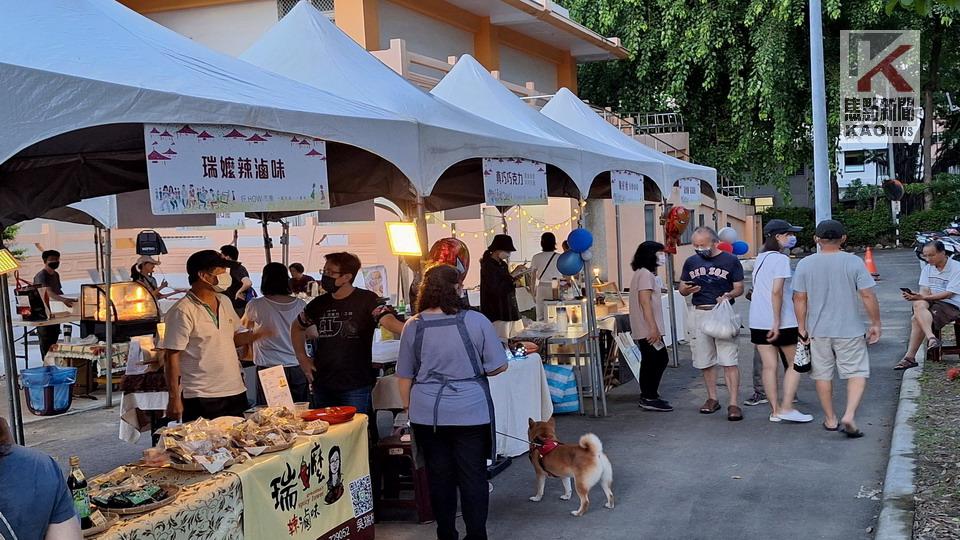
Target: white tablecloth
x,y
519,393
129,403
608,322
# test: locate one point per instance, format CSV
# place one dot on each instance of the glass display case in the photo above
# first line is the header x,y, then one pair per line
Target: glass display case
x,y
132,308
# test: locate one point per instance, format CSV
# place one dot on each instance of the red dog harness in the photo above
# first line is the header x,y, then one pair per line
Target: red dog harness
x,y
541,449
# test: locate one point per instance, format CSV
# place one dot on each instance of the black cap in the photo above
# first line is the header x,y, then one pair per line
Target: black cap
x,y
205,260
779,226
502,242
830,229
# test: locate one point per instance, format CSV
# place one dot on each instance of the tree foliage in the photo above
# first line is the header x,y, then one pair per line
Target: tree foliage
x,y
738,70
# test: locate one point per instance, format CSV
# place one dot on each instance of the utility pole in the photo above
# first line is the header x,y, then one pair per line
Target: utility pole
x,y
821,171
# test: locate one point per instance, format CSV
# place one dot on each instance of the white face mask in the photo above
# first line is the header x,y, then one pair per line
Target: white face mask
x,y
661,259
223,282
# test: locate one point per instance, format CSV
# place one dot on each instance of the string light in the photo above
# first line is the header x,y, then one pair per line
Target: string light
x,y
514,212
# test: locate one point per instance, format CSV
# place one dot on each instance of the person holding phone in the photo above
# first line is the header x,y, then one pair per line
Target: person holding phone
x,y
936,305
646,323
712,276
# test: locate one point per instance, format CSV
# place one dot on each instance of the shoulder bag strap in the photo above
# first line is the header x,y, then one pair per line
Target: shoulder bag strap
x,y
546,267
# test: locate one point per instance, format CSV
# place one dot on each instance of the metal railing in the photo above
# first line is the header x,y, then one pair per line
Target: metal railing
x,y
284,7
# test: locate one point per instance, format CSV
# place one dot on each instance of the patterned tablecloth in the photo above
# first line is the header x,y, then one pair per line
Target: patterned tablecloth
x,y
333,465
208,507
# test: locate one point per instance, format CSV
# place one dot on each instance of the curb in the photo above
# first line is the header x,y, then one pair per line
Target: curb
x,y
897,509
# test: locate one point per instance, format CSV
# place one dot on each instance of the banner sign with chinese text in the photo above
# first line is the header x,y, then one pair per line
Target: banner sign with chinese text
x,y
880,86
690,195
319,489
216,169
514,181
626,187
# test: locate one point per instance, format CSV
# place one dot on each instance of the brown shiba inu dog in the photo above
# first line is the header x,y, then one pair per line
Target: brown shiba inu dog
x,y
585,463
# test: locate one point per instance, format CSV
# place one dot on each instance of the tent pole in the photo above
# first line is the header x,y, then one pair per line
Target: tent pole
x,y
10,360
596,369
266,238
422,226
285,243
616,211
108,349
674,348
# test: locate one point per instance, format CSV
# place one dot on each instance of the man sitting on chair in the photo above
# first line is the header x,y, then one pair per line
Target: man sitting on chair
x,y
936,305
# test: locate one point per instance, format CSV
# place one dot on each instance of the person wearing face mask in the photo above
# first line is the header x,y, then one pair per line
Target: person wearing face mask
x,y
341,370
498,289
773,323
711,276
646,323
202,335
50,278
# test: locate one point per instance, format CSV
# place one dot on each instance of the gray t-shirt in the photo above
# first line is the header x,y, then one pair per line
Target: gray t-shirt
x,y
462,403
833,282
48,280
34,494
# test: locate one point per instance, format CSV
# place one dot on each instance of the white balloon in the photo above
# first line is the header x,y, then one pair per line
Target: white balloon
x,y
586,255
728,234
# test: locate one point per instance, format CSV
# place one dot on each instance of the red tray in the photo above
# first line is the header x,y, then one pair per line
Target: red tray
x,y
331,415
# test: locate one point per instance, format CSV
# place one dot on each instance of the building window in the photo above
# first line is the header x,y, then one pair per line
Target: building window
x,y
687,235
854,161
650,222
762,203
284,7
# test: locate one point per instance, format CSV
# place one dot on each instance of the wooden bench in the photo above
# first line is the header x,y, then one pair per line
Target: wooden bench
x,y
938,354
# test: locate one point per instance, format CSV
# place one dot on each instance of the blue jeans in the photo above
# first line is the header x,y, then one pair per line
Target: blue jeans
x,y
357,397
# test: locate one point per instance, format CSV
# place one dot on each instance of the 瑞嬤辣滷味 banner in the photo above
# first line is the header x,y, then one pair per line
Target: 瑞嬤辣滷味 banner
x,y
205,169
514,181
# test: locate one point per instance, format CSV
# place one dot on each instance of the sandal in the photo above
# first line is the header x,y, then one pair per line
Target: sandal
x,y
906,363
933,343
828,428
850,432
734,413
710,406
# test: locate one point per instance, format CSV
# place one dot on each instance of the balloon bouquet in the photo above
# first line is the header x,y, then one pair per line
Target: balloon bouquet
x,y
731,243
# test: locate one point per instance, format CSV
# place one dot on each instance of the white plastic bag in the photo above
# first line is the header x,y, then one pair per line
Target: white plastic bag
x,y
721,322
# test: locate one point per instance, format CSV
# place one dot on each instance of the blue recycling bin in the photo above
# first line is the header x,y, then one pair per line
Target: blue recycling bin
x,y
49,389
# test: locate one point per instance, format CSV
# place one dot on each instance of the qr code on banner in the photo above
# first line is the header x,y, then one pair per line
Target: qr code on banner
x,y
362,495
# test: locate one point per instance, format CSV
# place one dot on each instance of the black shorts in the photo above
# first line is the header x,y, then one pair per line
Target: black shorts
x,y
788,336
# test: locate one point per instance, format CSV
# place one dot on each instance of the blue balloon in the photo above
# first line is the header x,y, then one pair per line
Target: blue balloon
x,y
569,263
580,240
740,247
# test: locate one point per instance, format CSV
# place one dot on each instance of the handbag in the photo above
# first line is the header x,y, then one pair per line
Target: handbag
x,y
801,360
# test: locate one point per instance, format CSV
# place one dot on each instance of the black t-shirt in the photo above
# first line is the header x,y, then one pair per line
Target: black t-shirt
x,y
344,355
715,276
236,275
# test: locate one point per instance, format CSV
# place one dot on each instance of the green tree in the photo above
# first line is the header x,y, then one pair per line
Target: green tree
x,y
738,70
7,235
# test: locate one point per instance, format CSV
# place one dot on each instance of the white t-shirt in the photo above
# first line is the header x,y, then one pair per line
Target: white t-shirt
x,y
209,366
277,349
942,281
540,265
769,266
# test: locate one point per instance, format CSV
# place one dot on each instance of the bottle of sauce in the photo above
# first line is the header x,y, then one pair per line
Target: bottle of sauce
x,y
77,484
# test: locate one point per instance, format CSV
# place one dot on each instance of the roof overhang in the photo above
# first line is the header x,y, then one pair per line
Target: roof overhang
x,y
546,22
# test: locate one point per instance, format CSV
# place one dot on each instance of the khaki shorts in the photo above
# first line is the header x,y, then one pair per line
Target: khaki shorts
x,y
708,351
847,355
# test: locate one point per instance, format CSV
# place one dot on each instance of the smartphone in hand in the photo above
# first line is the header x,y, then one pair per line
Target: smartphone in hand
x,y
906,290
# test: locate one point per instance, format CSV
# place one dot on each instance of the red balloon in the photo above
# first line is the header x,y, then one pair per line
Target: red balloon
x,y
451,251
725,246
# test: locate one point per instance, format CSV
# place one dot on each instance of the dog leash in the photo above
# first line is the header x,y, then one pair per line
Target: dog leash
x,y
519,439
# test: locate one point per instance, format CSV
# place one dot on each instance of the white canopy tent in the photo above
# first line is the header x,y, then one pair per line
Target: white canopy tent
x,y
81,76
470,87
306,46
567,109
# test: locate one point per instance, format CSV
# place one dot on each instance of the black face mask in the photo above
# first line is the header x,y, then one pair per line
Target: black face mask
x,y
54,265
329,283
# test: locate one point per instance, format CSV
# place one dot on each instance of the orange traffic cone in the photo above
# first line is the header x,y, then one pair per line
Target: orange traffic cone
x,y
871,266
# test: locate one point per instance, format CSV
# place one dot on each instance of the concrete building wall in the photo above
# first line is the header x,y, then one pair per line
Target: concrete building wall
x,y
424,35
519,67
228,28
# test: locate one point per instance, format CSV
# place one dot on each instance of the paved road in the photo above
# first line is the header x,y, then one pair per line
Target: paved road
x,y
679,475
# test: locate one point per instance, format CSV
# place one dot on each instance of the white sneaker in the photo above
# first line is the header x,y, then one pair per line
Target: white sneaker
x,y
774,418
795,416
